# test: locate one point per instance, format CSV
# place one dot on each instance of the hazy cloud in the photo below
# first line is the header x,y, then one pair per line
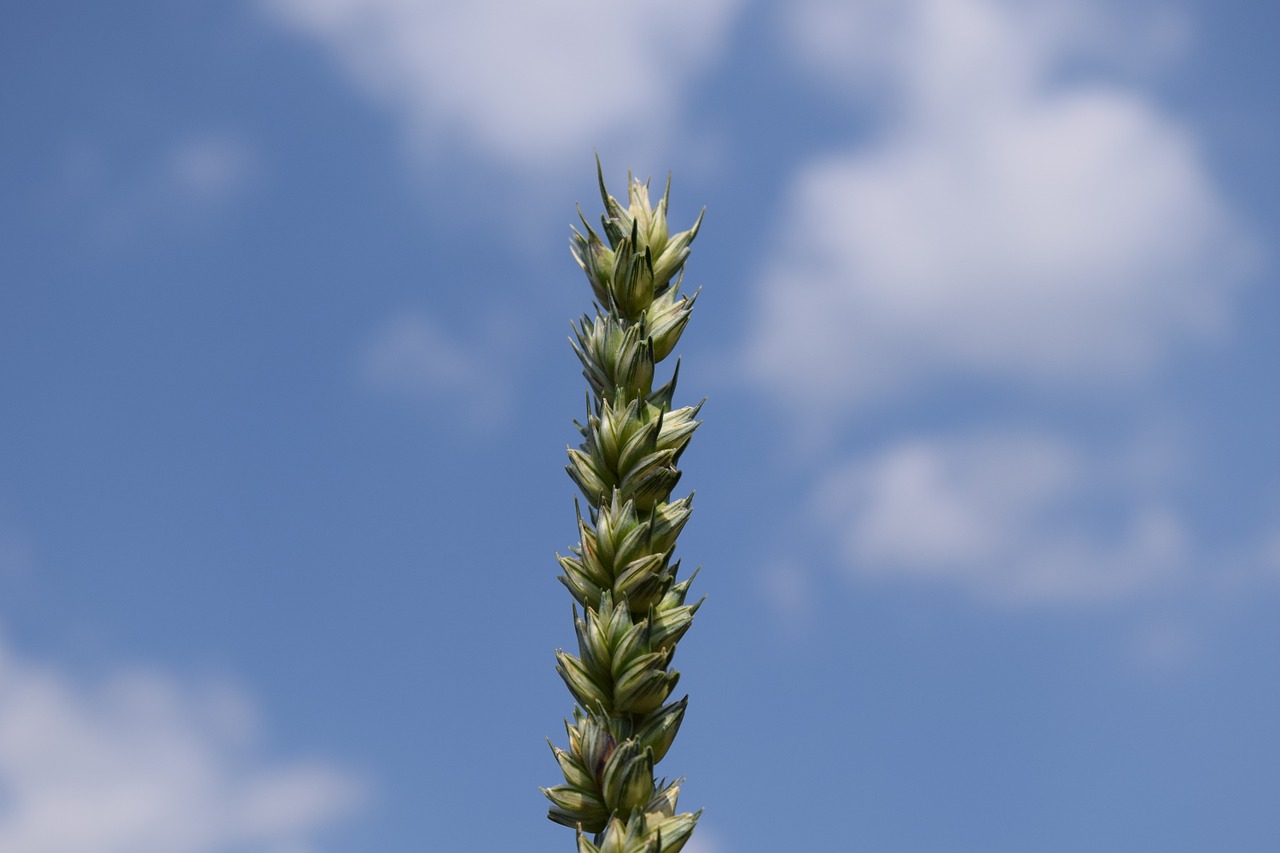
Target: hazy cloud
x,y
141,198
208,167
788,589
141,763
415,358
1271,552
1165,646
15,553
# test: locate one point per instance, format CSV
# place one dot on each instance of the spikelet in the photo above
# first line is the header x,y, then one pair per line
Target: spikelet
x,y
622,573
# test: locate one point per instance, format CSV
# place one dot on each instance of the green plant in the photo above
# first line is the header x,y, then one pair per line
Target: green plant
x,y
621,571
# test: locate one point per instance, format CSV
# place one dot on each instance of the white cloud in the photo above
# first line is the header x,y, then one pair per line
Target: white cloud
x,y
1012,517
141,763
413,357
526,82
925,53
1003,224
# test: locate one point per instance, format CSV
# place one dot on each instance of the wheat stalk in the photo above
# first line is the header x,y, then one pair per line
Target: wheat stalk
x,y
621,572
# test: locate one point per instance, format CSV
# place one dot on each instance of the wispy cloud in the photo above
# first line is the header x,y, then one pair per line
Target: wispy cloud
x,y
1271,553
1004,223
787,588
15,554
1012,517
1165,646
415,358
208,167
135,198
528,83
142,763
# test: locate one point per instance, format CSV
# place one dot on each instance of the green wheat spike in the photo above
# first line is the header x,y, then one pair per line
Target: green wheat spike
x,y
622,573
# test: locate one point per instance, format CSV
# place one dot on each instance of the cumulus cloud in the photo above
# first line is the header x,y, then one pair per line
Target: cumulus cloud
x,y
1006,223
414,358
526,82
141,763
1012,517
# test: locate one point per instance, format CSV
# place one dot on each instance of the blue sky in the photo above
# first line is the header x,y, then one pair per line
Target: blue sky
x,y
988,494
